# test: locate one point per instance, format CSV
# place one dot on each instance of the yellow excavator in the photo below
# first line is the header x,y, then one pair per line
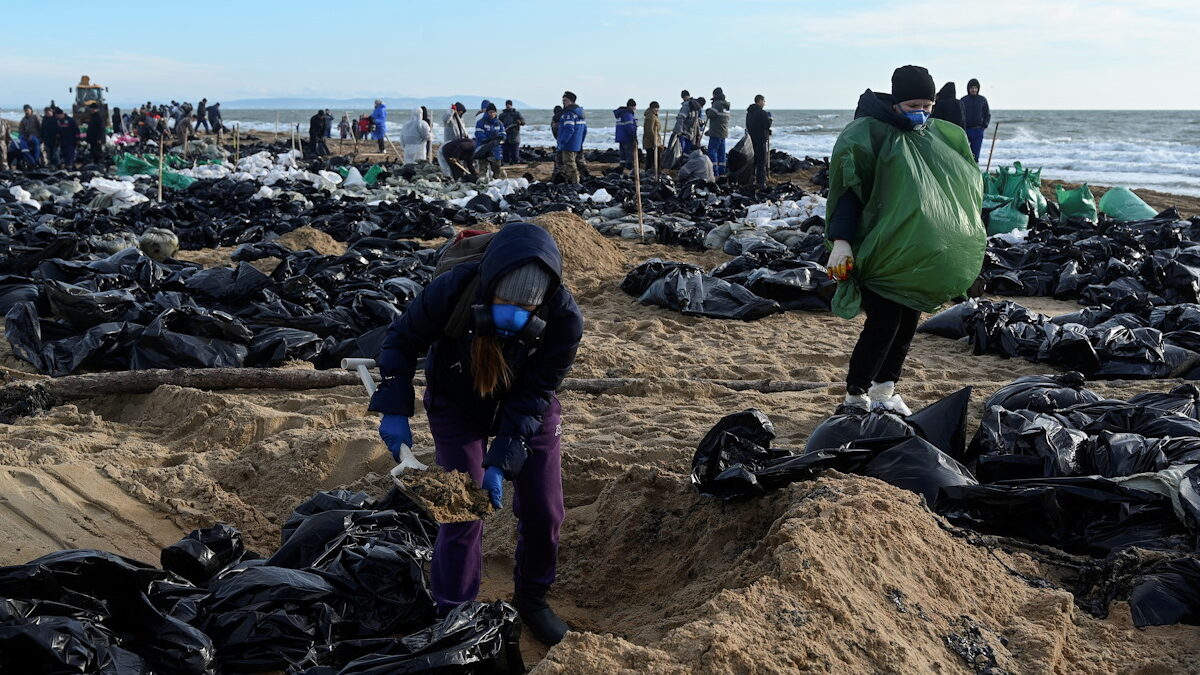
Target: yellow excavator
x,y
87,93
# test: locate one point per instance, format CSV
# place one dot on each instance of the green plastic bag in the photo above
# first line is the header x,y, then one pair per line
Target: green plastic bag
x,y
176,181
372,174
129,164
1075,203
1006,219
920,240
342,171
1122,204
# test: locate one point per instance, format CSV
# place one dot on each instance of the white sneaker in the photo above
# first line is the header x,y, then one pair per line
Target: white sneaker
x,y
883,396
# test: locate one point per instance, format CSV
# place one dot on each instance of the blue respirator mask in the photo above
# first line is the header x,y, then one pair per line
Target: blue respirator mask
x,y
918,118
509,321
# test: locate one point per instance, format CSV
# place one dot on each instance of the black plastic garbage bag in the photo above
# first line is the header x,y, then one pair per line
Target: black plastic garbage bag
x,y
266,618
1183,399
109,592
944,423
332,500
1050,445
1070,346
806,287
1121,454
1149,422
83,308
696,294
228,285
743,440
474,637
915,465
1090,514
950,323
841,431
1043,393
1170,594
32,642
640,278
203,553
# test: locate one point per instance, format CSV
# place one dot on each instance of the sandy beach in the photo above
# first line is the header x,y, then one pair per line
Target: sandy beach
x,y
843,573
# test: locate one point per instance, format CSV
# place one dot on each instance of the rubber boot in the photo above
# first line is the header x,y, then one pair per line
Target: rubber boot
x,y
539,618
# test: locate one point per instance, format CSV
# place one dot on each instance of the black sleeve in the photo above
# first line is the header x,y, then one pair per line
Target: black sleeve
x,y
843,224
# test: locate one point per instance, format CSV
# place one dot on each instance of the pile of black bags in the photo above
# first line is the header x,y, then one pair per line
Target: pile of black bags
x,y
1052,463
1130,339
348,575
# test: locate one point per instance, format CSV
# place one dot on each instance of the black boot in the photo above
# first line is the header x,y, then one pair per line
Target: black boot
x,y
539,619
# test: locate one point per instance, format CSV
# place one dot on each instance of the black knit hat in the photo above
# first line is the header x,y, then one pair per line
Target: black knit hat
x,y
972,83
631,103
912,82
570,96
491,107
718,93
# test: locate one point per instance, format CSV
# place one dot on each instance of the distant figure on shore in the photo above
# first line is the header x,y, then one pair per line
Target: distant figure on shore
x,y
97,132
344,126
572,131
684,108
214,118
947,106
428,118
489,136
328,124
758,127
453,128
202,116
183,128
379,123
483,105
626,133
513,120
976,115
413,136
363,127
30,130
67,132
718,130
118,122
651,128
900,242
316,134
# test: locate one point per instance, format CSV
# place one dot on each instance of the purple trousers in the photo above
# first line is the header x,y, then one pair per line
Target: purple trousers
x,y
537,503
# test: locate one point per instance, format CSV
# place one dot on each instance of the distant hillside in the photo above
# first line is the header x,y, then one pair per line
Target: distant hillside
x,y
298,103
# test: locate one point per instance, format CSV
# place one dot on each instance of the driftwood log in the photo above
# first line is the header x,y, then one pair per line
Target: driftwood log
x,y
145,381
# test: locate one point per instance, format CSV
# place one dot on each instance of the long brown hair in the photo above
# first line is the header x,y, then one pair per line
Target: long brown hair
x,y
488,365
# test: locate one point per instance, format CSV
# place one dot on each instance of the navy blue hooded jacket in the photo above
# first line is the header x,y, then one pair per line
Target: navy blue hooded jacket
x,y
513,415
572,129
626,125
975,111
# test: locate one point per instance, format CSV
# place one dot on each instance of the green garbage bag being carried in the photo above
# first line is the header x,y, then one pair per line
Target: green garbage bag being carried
x,y
1075,203
1122,204
920,241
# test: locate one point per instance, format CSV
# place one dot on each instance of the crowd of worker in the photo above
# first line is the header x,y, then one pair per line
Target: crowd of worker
x,y
52,139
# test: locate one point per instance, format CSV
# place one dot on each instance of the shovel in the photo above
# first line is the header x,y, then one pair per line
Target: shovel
x,y
407,459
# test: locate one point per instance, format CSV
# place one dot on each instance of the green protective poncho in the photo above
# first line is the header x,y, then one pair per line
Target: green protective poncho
x,y
920,241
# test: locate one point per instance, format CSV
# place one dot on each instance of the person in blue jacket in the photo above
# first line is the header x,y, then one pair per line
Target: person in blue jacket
x,y
379,118
572,130
489,137
627,132
976,116
501,334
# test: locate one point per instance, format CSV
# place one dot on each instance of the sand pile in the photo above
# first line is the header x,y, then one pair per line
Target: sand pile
x,y
308,237
842,574
449,496
587,255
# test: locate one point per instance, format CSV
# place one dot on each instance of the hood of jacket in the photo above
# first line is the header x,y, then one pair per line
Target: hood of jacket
x,y
513,246
879,106
623,110
416,115
720,104
574,108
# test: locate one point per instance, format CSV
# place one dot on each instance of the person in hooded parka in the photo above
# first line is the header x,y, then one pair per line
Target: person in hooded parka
x,y
413,136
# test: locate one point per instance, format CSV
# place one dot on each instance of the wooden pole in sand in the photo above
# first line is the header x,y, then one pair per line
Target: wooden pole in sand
x,y
637,189
995,131
276,125
237,143
161,143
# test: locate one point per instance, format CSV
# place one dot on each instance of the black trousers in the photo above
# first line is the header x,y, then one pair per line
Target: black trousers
x,y
760,160
883,344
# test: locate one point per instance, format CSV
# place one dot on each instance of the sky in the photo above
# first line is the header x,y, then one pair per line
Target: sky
x,y
1065,54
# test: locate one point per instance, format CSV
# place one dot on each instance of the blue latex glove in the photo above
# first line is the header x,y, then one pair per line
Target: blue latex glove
x,y
493,482
395,432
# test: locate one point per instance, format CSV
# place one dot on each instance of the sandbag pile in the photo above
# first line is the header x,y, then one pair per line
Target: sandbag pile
x,y
128,312
1132,339
350,571
757,283
1051,462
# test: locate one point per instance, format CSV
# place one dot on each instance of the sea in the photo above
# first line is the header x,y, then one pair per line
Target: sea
x,y
1153,149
